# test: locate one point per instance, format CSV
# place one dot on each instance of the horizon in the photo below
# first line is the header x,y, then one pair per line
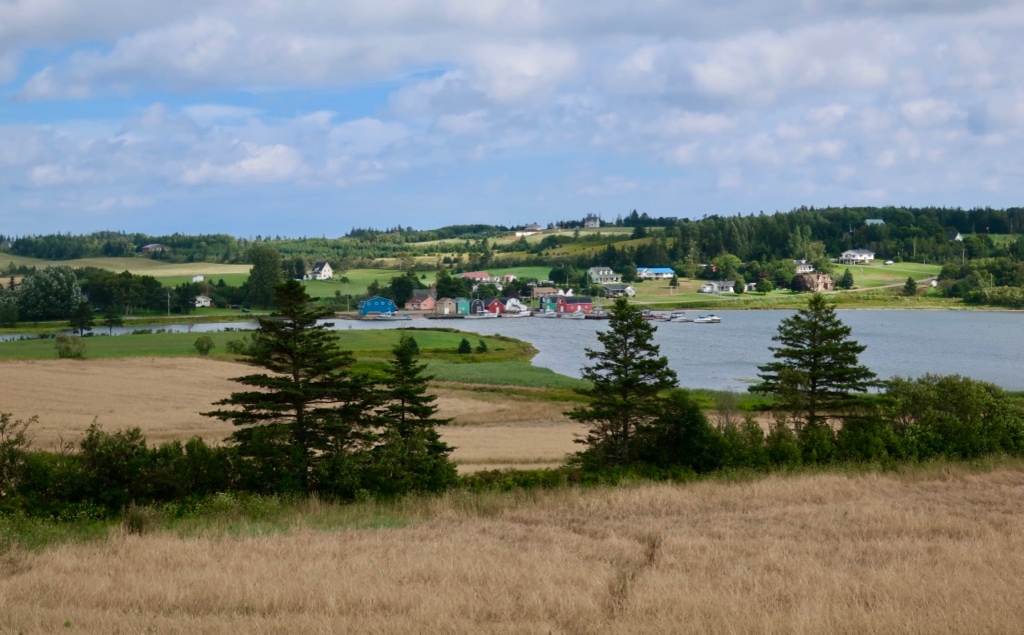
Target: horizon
x,y
318,118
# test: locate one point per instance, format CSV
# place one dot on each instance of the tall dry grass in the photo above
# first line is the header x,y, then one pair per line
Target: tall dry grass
x,y
931,550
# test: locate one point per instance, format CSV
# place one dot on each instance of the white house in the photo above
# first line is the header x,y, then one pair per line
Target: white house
x,y
198,278
321,271
718,286
592,221
203,301
655,273
603,275
856,257
618,290
802,266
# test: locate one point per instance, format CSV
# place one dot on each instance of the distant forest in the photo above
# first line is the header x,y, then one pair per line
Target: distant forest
x,y
919,234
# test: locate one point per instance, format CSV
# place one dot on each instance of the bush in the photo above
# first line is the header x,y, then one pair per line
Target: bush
x,y
465,348
69,346
481,347
204,344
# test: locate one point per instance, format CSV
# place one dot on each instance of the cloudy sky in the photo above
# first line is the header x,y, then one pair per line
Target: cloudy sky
x,y
307,117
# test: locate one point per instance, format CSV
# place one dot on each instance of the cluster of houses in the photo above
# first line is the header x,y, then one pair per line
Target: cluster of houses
x,y
423,300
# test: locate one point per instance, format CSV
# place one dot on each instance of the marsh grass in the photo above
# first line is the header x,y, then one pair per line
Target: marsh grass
x,y
934,548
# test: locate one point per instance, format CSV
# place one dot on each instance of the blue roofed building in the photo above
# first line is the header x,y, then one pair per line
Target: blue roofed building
x,y
655,273
377,304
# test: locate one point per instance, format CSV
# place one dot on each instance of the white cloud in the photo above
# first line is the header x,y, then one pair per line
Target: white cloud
x,y
930,112
608,186
261,164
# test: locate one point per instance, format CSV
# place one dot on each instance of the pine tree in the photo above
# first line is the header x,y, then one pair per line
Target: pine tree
x,y
626,379
411,455
846,282
311,408
82,318
817,366
910,288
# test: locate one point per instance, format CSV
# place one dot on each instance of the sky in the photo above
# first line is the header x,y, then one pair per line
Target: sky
x,y
309,118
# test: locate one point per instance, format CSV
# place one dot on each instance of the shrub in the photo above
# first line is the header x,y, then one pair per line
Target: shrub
x,y
69,346
465,348
204,344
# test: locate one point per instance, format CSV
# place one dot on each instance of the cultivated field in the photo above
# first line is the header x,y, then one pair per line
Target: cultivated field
x,y
164,396
931,550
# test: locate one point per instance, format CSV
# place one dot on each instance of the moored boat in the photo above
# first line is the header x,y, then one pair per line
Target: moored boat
x,y
710,318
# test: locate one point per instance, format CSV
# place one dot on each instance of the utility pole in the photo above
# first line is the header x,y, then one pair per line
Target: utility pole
x,y
168,303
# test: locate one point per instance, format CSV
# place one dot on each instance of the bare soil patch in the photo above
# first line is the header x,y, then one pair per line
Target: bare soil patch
x,y
164,396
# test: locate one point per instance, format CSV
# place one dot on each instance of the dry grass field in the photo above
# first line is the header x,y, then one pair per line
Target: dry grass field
x,y
929,550
164,396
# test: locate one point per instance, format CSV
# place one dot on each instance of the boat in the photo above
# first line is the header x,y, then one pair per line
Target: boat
x,y
517,314
393,317
648,314
575,315
710,318
480,316
679,316
545,314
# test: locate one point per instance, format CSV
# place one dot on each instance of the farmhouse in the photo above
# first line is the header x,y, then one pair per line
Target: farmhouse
x,y
592,221
479,277
619,290
856,257
321,271
377,304
802,266
603,275
953,235
655,273
813,282
874,221
153,248
203,301
718,286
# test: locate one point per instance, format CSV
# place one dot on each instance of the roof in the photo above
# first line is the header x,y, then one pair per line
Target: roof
x,y
579,299
476,274
859,252
319,266
657,269
616,285
422,293
874,221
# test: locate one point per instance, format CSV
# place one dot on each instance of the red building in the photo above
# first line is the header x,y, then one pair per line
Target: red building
x,y
571,304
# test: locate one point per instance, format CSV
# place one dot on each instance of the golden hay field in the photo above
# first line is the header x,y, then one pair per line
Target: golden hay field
x,y
164,396
931,550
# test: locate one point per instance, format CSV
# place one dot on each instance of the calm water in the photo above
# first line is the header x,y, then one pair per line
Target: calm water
x,y
979,344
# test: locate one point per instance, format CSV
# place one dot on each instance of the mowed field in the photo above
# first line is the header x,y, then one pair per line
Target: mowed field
x,y
164,397
929,550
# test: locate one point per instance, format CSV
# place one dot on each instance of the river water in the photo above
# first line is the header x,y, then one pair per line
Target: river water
x,y
980,344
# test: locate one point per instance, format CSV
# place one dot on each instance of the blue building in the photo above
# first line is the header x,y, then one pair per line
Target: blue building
x,y
377,304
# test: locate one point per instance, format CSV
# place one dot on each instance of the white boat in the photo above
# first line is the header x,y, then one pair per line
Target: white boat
x,y
711,318
575,315
679,316
545,314
517,314
481,316
393,317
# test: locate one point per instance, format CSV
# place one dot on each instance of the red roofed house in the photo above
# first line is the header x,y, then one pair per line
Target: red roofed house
x,y
494,305
479,277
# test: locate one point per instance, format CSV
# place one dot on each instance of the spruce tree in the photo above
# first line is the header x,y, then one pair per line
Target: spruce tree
x,y
311,407
817,365
910,288
625,381
846,282
411,455
82,318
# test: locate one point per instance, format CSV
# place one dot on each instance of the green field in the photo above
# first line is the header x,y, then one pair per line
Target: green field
x,y
506,362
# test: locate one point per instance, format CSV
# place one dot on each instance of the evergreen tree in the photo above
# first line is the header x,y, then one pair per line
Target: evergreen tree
x,y
846,282
411,455
264,276
312,408
111,318
816,367
626,379
82,318
910,288
465,348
